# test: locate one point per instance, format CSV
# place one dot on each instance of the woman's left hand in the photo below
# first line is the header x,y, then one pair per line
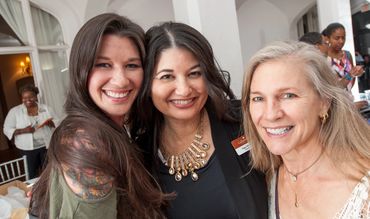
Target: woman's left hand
x,y
50,123
357,71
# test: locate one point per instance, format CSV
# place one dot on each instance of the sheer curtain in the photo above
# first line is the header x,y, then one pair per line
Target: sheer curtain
x,y
11,11
55,77
53,61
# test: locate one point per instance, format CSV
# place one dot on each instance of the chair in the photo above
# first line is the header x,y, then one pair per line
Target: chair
x,y
14,169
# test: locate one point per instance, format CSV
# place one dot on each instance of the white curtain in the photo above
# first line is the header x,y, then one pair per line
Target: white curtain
x,y
53,62
47,28
12,13
56,79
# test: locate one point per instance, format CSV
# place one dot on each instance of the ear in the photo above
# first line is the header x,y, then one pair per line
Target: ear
x,y
324,106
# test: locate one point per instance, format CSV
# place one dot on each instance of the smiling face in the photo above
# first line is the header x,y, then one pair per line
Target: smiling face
x,y
29,99
116,77
179,90
284,107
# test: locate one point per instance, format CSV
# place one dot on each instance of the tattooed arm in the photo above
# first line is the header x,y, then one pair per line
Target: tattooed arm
x,y
87,183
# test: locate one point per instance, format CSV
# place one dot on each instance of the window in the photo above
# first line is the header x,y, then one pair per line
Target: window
x,y
25,28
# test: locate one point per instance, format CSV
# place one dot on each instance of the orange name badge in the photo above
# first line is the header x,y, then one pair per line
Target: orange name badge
x,y
241,145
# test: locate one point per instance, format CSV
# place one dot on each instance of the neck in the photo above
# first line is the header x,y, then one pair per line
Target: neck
x,y
302,160
119,120
335,53
177,134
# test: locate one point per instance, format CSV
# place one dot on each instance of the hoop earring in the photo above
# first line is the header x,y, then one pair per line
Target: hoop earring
x,y
324,118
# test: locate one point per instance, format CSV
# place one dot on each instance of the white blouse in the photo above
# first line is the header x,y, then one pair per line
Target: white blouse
x,y
357,206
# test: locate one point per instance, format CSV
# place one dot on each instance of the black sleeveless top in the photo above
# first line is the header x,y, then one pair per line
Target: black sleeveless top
x,y
208,197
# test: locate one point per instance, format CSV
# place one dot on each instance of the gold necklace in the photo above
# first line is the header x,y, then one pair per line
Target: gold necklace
x,y
190,160
294,176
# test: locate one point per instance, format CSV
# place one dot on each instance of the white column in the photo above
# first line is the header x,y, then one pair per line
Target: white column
x,y
217,21
330,11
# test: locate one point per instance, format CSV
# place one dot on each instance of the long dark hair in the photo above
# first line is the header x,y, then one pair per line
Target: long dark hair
x,y
111,152
169,35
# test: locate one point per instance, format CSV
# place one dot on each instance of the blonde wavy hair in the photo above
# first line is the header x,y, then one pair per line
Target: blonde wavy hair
x,y
345,135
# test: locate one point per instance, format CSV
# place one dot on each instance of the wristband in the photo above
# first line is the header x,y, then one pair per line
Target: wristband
x,y
348,77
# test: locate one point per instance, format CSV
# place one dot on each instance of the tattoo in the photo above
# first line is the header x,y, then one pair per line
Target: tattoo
x,y
89,184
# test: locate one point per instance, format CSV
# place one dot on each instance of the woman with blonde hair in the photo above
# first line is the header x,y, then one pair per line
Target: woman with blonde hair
x,y
306,135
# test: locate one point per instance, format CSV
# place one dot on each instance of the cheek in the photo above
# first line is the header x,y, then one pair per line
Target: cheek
x,y
138,79
256,113
157,92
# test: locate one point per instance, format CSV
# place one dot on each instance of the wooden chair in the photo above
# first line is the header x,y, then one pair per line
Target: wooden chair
x,y
14,169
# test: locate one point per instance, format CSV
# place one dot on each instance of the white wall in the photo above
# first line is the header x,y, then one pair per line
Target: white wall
x,y
260,23
146,13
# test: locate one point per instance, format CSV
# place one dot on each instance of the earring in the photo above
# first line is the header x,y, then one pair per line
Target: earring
x,y
324,118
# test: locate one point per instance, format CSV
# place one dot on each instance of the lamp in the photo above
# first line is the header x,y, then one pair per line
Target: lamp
x,y
26,66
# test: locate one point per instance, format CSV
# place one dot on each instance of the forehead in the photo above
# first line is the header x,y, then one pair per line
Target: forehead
x,y
280,73
338,32
28,93
175,54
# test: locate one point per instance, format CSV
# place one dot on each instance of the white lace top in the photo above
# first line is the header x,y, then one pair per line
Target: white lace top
x,y
356,207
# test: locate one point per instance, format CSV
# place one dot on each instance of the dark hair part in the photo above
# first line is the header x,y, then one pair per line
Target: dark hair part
x,y
29,88
331,28
312,38
178,35
111,151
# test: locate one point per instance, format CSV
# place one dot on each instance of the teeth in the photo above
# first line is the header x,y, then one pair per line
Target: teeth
x,y
279,131
181,102
116,95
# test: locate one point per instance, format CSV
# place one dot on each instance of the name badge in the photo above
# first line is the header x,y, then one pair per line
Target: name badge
x,y
241,145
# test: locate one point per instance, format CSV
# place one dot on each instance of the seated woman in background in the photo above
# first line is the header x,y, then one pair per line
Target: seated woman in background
x,y
31,125
306,135
191,117
94,171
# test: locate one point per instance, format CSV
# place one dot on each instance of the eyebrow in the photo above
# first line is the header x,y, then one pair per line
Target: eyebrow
x,y
279,90
171,70
130,59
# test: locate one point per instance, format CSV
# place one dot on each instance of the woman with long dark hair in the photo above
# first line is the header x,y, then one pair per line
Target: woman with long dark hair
x,y
191,117
94,170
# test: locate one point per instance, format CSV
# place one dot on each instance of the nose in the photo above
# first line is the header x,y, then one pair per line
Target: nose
x,y
120,78
272,111
183,87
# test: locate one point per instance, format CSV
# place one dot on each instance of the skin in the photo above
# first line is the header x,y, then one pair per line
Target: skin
x,y
285,110
116,77
282,97
337,40
29,99
323,46
179,92
113,84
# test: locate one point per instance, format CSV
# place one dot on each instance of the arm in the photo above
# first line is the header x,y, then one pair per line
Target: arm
x,y
88,184
10,125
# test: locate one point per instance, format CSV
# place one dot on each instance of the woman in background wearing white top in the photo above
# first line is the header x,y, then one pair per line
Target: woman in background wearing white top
x,y
31,125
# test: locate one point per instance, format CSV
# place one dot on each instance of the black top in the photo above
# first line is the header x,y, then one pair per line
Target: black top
x,y
243,190
209,195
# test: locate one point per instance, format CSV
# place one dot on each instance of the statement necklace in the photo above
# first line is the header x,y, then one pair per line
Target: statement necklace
x,y
294,176
190,160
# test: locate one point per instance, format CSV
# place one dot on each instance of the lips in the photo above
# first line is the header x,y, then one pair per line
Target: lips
x,y
116,95
183,103
278,131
